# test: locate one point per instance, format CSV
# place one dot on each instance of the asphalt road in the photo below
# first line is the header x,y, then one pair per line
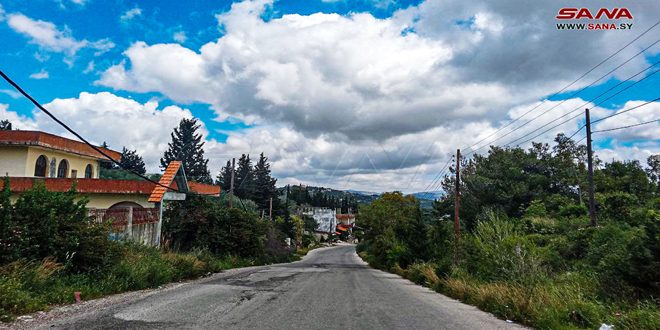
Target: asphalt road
x,y
331,288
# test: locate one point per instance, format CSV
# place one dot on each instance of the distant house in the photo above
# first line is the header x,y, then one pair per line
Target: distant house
x,y
30,158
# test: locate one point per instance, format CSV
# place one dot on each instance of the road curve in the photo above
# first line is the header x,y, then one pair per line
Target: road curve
x,y
331,288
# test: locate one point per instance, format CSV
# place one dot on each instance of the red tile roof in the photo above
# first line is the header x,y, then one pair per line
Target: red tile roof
x,y
91,186
165,180
46,140
100,186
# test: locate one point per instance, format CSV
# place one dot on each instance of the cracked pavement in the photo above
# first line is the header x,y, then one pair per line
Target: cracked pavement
x,y
331,288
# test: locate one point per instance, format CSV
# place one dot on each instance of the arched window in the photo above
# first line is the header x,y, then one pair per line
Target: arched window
x,y
63,169
41,166
88,171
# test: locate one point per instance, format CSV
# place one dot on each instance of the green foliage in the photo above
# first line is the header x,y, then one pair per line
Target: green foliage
x,y
527,251
119,174
131,160
31,286
187,147
45,224
392,227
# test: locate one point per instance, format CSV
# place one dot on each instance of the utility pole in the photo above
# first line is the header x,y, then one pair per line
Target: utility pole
x,y
457,206
590,168
231,185
457,196
270,209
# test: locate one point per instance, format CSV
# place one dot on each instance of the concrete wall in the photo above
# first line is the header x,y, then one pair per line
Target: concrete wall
x,y
13,161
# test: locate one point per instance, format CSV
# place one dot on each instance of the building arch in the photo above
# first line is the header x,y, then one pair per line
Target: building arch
x,y
125,205
63,169
89,171
41,166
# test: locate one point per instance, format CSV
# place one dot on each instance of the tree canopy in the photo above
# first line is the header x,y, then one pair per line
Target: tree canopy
x,y
187,147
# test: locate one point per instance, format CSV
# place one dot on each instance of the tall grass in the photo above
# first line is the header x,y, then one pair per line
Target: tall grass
x,y
27,287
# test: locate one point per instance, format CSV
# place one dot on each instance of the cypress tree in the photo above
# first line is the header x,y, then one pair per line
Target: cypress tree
x,y
244,178
186,146
132,161
264,184
224,178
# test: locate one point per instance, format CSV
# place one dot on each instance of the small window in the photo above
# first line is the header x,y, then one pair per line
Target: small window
x,y
41,166
89,171
63,169
74,174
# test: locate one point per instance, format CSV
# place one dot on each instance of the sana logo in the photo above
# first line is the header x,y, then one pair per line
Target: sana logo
x,y
602,13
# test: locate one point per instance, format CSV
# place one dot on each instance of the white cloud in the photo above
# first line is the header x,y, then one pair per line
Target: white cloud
x,y
43,74
48,37
11,93
180,36
130,14
17,121
639,115
370,103
106,117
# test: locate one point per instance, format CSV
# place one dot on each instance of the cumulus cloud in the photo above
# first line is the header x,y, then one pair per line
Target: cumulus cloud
x,y
369,103
625,117
43,74
50,38
359,77
107,117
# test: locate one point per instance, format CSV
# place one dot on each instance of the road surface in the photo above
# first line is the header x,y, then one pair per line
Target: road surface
x,y
331,288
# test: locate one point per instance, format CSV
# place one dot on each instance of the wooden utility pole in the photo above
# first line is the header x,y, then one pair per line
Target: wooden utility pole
x,y
457,207
231,185
270,209
457,196
590,168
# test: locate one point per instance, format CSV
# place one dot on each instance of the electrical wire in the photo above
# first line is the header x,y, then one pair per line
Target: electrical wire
x,y
590,101
624,111
578,92
627,126
437,178
573,82
97,149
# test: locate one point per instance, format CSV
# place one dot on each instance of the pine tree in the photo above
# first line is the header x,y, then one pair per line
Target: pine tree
x,y
5,125
244,178
264,184
132,161
224,178
186,146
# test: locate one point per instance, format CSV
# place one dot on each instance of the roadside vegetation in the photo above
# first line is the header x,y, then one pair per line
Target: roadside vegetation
x,y
50,249
527,252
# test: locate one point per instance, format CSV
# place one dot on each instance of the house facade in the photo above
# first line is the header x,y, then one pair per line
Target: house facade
x,y
43,155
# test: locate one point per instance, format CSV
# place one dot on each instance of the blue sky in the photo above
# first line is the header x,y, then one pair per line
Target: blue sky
x,y
346,93
157,22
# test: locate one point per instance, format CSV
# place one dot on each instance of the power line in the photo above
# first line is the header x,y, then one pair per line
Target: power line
x,y
578,92
627,126
590,101
574,81
97,149
437,178
624,111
